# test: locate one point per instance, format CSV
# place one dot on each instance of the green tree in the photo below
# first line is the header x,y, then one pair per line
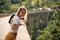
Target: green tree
x,y
52,31
4,5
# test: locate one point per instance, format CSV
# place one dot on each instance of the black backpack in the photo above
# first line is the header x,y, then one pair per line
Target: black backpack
x,y
11,18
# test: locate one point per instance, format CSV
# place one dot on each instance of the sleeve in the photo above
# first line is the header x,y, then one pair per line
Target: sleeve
x,y
16,21
22,22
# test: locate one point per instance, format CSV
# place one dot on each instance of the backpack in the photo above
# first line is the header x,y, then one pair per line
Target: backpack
x,y
11,18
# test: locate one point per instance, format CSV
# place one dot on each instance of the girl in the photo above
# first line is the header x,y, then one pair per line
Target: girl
x,y
21,15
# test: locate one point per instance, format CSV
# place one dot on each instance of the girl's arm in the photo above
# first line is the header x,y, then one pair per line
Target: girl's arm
x,y
15,26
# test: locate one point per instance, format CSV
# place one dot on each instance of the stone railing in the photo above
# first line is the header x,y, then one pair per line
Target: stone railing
x,y
3,15
37,20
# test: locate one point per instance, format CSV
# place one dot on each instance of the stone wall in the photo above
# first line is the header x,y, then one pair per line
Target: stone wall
x,y
3,15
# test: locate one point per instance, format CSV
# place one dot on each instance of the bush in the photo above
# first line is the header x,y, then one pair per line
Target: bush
x,y
5,8
52,31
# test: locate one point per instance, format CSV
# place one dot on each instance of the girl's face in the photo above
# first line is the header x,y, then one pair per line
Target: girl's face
x,y
22,13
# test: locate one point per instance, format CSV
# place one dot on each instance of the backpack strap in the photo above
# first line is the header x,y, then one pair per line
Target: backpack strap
x,y
11,18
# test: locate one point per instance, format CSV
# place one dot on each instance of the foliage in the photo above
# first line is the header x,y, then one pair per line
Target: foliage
x,y
29,4
52,31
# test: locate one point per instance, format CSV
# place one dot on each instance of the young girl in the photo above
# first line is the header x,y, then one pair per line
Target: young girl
x,y
20,16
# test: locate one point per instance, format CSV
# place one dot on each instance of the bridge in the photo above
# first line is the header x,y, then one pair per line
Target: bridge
x,y
35,19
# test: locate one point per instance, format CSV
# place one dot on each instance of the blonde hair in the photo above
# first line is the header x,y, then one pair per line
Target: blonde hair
x,y
25,16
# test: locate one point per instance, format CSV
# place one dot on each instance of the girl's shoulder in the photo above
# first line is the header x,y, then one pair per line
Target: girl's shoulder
x,y
16,18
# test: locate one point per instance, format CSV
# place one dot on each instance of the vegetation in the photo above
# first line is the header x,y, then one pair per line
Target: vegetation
x,y
51,31
6,5
40,31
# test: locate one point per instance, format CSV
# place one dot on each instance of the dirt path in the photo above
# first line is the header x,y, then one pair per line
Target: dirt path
x,y
4,29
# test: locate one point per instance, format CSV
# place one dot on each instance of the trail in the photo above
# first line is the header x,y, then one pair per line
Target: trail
x,y
5,27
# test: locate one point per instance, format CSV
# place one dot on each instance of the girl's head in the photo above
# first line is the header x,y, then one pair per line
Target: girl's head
x,y
22,12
